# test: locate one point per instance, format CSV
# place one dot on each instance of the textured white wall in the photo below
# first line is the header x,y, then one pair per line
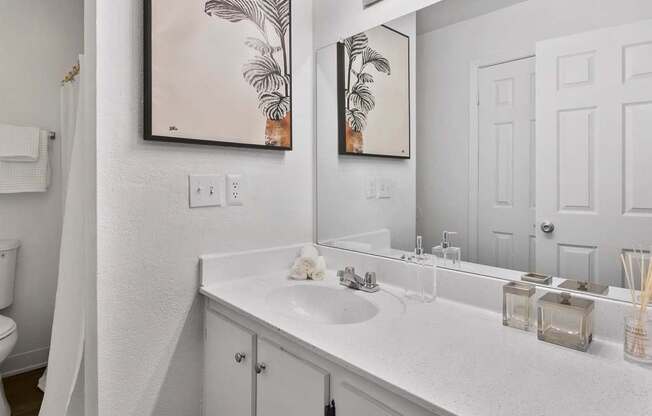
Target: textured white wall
x,y
39,43
443,58
343,208
339,19
149,310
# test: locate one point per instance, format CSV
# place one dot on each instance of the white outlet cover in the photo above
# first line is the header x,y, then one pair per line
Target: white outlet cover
x,y
384,189
206,190
234,189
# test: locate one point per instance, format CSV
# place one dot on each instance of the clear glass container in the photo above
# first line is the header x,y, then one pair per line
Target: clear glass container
x,y
453,256
422,286
565,320
638,337
448,256
427,283
517,304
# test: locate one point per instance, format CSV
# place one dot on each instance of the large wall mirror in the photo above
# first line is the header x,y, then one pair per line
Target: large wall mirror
x,y
528,139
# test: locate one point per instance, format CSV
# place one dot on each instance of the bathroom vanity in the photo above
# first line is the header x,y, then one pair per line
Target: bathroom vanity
x,y
489,155
280,347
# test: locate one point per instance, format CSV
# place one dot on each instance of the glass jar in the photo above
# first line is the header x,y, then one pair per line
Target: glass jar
x,y
517,301
422,286
638,337
565,320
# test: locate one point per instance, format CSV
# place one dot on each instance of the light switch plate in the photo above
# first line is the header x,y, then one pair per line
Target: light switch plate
x,y
206,190
371,188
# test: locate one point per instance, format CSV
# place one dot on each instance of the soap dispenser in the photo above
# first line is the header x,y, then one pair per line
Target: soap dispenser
x,y
418,251
445,251
423,287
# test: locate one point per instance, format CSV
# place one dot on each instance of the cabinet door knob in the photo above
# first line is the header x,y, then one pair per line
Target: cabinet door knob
x,y
240,356
260,368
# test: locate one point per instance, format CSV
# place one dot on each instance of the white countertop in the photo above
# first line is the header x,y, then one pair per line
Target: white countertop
x,y
457,358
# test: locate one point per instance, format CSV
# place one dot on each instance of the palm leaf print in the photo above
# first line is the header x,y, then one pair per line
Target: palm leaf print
x,y
236,11
370,56
264,74
357,119
360,99
355,45
278,14
274,105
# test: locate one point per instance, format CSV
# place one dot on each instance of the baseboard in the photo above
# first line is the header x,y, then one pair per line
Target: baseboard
x,y
24,362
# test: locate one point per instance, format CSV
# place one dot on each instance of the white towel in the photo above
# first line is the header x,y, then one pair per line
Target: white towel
x,y
16,177
19,144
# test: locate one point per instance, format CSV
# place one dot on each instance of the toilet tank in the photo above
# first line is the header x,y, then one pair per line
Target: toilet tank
x,y
8,251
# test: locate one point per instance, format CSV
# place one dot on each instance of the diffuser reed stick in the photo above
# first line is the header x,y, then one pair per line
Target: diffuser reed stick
x,y
637,335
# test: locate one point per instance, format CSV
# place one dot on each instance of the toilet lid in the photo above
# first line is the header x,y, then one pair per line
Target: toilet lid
x,y
7,326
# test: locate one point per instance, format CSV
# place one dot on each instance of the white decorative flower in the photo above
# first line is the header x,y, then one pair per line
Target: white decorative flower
x,y
319,272
309,251
302,268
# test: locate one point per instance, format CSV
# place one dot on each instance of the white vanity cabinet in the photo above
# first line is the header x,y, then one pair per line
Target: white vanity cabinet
x,y
252,370
247,375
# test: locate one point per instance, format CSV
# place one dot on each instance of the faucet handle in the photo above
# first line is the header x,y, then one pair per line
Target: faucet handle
x,y
370,279
349,270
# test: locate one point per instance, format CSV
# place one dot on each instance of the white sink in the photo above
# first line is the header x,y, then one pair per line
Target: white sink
x,y
321,304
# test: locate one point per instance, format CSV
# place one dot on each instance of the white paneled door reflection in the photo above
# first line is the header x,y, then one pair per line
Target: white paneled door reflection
x,y
594,151
506,199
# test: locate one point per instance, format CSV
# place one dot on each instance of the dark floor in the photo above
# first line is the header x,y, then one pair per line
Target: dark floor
x,y
23,394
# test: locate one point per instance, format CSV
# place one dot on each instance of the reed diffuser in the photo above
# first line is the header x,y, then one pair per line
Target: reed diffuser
x,y
638,325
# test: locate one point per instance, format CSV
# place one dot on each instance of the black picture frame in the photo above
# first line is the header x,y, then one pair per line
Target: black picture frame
x,y
148,89
341,102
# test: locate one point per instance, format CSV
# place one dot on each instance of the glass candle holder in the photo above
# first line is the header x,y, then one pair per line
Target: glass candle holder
x,y
638,337
517,303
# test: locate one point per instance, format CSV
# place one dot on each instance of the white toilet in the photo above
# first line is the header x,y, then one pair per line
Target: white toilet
x,y
8,333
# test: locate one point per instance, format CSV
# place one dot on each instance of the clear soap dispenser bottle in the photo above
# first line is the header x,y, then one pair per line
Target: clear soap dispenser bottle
x,y
423,287
418,251
445,252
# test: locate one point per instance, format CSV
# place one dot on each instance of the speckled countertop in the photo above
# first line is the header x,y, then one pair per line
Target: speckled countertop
x,y
456,358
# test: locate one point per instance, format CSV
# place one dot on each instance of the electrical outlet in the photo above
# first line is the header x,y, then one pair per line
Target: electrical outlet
x,y
234,189
384,189
206,190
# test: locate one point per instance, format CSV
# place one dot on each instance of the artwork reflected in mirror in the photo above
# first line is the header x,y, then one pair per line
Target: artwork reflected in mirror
x,y
231,55
374,94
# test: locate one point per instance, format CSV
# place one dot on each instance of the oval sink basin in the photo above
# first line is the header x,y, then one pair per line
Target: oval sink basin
x,y
321,304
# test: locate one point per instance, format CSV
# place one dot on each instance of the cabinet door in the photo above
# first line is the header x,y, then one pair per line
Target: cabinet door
x,y
288,385
354,402
229,381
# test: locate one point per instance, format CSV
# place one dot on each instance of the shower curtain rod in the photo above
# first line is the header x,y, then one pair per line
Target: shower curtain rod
x,y
70,76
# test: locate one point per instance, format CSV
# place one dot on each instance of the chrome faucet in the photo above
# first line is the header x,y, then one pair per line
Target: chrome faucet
x,y
350,279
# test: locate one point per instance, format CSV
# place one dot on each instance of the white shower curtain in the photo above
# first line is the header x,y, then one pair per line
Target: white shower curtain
x,y
66,346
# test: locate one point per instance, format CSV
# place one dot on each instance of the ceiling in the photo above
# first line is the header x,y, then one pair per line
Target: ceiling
x,y
448,12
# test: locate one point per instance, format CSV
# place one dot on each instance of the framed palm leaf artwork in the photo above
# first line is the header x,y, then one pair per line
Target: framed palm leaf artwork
x,y
374,94
219,72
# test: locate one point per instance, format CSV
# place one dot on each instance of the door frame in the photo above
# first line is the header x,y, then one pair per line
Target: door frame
x,y
474,137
